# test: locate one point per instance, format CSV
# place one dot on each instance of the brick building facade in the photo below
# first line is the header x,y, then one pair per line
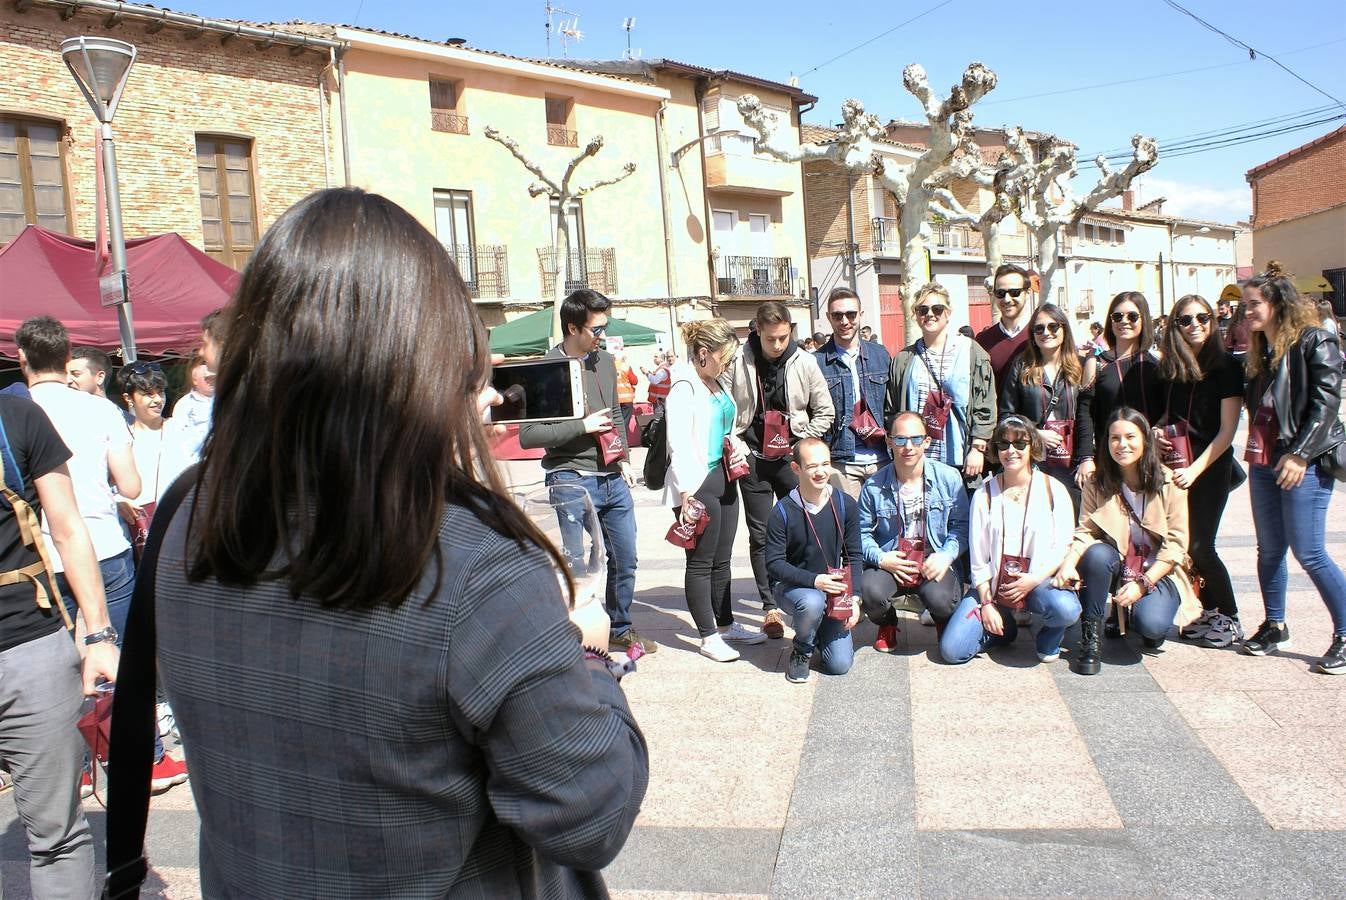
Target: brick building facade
x,y
217,133
1299,212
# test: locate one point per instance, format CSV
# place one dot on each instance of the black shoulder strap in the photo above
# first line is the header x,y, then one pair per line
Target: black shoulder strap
x,y
131,744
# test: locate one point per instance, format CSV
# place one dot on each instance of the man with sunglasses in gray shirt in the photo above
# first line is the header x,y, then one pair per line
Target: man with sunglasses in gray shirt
x,y
1002,340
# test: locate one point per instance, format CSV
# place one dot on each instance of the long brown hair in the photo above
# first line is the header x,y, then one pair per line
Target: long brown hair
x,y
345,416
1108,474
1146,322
1177,361
1293,315
1066,356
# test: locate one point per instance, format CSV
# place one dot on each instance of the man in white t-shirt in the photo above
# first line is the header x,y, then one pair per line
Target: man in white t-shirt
x,y
193,409
100,444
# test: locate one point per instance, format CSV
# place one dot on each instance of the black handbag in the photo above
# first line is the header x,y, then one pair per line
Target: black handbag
x,y
131,745
1334,462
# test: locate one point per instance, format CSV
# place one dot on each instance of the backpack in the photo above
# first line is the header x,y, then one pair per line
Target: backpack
x,y
654,438
30,532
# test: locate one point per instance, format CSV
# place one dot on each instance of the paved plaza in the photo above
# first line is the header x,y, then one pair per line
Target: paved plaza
x,y
1192,773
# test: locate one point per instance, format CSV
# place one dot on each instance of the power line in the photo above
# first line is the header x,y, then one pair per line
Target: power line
x,y
1178,141
1107,84
1252,52
1221,143
878,36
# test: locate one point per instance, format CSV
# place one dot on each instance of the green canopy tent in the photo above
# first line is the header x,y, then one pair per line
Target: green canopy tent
x,y
530,335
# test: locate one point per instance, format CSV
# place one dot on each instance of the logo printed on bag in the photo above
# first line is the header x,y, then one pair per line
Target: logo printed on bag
x,y
778,442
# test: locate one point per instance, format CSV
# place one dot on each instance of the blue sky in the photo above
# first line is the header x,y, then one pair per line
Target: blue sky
x,y
1049,64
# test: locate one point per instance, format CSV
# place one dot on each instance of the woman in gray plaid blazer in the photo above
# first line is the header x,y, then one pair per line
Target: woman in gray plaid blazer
x,y
378,687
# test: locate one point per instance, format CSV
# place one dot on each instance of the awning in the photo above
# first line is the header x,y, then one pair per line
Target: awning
x,y
1232,292
173,285
530,335
1312,284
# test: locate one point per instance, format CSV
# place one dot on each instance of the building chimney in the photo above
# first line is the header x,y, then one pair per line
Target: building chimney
x,y
456,42
1128,200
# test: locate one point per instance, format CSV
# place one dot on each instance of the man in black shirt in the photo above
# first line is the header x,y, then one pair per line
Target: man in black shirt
x,y
40,677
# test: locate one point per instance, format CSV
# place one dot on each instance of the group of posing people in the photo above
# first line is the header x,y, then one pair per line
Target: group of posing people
x,y
1004,479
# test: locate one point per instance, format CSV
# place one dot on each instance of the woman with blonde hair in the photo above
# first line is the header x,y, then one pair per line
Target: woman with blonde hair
x,y
702,446
947,379
1296,447
1202,387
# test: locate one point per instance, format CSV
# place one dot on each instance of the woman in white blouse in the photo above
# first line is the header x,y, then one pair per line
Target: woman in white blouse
x,y
1022,522
160,445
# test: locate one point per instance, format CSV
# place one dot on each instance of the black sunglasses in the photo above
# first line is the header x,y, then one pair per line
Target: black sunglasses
x,y
1019,444
1131,317
598,330
1013,292
902,440
1187,320
1044,327
142,368
849,315
936,310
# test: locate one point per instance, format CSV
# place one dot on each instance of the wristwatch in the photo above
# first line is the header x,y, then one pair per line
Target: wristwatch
x,y
108,634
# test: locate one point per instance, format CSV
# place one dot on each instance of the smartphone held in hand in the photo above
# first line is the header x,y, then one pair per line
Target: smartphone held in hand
x,y
538,390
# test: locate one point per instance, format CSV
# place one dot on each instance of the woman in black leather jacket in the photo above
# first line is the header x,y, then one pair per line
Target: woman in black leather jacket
x,y
1295,447
1044,385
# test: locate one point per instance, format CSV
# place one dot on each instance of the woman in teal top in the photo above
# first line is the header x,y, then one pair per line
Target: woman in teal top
x,y
700,415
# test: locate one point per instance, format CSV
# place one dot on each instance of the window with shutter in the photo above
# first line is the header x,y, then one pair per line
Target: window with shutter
x,y
32,176
228,209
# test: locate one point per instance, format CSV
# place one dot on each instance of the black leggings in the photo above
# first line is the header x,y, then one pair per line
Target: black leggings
x,y
1205,506
708,566
767,481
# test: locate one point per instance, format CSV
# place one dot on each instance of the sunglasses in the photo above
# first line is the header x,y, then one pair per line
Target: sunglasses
x,y
598,330
1000,293
1019,444
936,310
1187,320
143,368
850,315
902,440
1130,317
1044,327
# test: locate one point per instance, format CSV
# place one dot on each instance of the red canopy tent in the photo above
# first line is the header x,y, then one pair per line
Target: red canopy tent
x,y
173,285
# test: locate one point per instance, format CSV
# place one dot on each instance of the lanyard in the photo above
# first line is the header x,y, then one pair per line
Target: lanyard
x,y
1050,397
938,376
1023,534
841,535
1121,382
902,509
1191,396
1131,511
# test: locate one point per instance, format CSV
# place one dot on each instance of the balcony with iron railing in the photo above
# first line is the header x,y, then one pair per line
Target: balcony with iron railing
x,y
484,267
594,268
561,136
885,237
957,240
754,276
451,123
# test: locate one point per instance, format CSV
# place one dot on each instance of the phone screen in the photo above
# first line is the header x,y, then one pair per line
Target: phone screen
x,y
536,390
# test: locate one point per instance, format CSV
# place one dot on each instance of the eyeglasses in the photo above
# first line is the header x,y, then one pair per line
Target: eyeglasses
x,y
1013,292
902,440
850,315
1129,317
1019,444
1044,327
143,368
1187,320
936,310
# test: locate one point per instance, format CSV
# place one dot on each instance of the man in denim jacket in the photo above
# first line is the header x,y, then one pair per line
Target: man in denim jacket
x,y
854,369
913,499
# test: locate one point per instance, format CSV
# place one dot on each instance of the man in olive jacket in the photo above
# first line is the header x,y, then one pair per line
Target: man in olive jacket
x,y
573,457
773,373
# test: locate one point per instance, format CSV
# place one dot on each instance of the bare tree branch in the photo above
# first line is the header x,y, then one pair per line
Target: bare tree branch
x,y
513,147
628,169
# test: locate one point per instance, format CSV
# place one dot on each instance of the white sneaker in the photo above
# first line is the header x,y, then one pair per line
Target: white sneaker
x,y
1049,657
926,619
715,648
739,633
1197,629
168,723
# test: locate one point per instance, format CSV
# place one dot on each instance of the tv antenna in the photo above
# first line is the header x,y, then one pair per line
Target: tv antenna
x,y
628,25
568,30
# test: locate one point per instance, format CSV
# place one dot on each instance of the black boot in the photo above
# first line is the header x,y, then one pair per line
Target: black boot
x,y
1114,627
1090,659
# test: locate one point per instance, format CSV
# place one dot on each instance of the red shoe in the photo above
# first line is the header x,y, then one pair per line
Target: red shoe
x,y
887,639
166,773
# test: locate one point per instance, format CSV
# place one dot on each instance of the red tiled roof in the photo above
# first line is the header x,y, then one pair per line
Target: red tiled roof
x,y
1295,152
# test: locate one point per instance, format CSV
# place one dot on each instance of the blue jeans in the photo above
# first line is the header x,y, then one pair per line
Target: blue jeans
x,y
1052,609
1151,615
1295,520
119,583
617,517
807,609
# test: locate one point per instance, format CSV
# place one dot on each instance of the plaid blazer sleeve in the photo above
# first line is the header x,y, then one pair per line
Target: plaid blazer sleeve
x,y
567,764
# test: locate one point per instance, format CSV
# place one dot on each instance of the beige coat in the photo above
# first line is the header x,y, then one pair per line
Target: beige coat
x,y
810,401
1165,521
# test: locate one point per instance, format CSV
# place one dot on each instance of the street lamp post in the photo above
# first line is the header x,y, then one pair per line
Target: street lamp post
x,y
100,67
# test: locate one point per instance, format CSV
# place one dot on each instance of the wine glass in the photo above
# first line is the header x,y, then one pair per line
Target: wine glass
x,y
565,514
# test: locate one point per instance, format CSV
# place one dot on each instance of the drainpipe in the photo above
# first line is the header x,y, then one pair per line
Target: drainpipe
x,y
345,131
670,270
702,86
322,120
